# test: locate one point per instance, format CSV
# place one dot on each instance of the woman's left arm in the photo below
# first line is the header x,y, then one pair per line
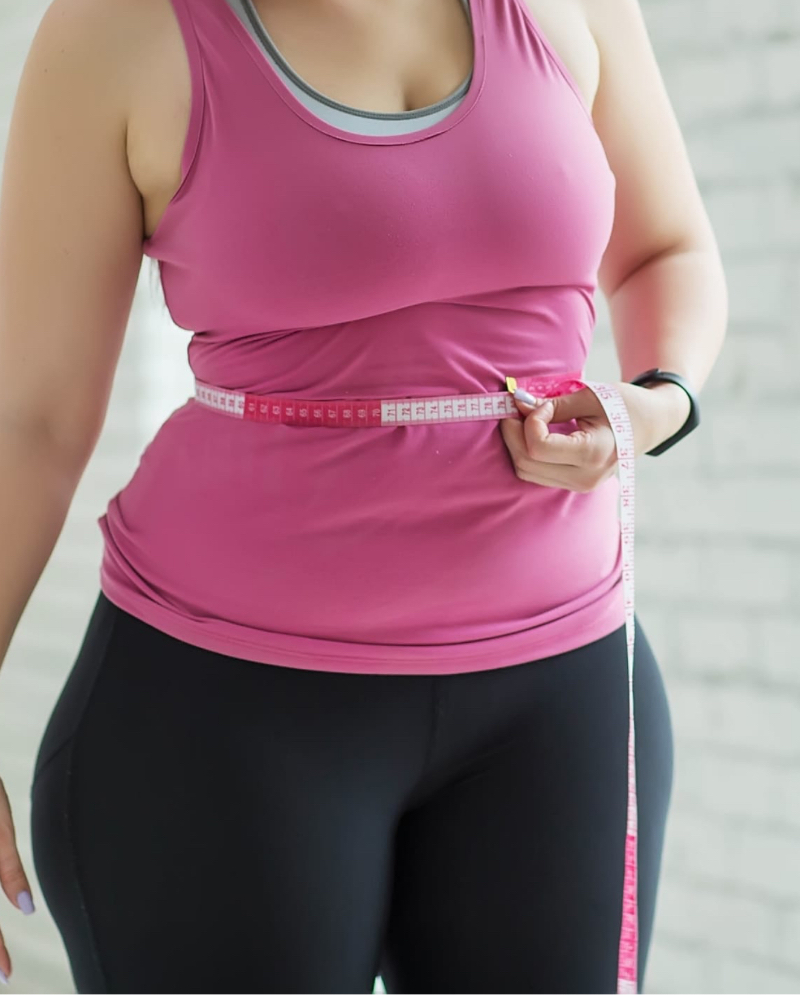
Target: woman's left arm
x,y
661,273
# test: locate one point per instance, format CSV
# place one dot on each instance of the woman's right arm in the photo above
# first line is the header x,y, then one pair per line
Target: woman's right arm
x,y
70,254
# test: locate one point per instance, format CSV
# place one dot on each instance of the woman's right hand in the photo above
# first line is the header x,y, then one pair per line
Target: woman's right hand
x,y
12,877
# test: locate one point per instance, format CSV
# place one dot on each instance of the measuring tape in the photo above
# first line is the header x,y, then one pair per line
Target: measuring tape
x,y
376,413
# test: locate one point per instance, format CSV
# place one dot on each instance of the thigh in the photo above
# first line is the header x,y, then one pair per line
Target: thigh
x,y
202,823
509,878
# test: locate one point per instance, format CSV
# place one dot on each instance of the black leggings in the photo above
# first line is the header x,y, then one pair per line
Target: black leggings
x,y
203,823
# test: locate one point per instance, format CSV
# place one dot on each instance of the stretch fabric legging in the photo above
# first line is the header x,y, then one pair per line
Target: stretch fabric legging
x,y
202,823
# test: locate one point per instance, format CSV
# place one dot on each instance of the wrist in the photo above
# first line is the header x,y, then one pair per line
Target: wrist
x,y
675,407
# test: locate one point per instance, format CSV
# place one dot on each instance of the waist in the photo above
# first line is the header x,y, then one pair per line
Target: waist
x,y
375,412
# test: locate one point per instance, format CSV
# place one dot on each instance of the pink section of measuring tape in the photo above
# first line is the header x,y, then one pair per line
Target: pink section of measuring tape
x,y
376,413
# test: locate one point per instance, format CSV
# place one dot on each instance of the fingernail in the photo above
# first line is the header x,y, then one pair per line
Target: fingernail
x,y
3,976
525,397
25,903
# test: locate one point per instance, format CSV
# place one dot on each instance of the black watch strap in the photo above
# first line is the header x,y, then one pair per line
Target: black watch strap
x,y
693,419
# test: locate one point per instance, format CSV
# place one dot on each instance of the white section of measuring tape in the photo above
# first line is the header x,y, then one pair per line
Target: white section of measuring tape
x,y
443,409
617,414
229,401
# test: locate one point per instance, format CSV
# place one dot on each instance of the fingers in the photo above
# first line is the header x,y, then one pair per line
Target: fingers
x,y
13,879
531,441
575,461
570,478
577,448
5,962
6,833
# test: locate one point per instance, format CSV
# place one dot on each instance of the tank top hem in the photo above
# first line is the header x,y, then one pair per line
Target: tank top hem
x,y
573,631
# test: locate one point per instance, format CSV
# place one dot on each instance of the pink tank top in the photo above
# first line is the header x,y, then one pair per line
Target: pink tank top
x,y
310,261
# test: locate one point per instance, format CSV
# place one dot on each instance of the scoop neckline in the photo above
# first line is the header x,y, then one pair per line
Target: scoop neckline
x,y
468,99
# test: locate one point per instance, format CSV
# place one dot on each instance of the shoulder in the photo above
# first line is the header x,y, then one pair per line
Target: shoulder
x,y
88,41
564,25
616,25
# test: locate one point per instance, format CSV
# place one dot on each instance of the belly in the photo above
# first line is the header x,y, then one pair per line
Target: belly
x,y
408,535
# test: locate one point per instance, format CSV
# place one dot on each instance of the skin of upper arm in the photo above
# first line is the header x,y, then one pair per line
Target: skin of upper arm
x,y
658,205
70,227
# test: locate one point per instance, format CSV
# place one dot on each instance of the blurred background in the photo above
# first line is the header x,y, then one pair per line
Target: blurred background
x,y
718,526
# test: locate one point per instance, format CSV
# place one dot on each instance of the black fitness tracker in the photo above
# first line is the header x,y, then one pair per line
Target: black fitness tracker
x,y
693,420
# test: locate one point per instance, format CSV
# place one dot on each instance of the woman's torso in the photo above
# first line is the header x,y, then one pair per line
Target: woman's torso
x,y
317,262
408,56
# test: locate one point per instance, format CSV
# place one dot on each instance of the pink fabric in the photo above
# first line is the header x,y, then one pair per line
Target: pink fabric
x,y
313,262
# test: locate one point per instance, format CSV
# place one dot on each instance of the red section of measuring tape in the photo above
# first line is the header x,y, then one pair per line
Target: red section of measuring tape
x,y
330,414
402,412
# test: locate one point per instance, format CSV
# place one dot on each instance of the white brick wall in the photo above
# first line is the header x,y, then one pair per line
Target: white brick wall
x,y
719,530
718,537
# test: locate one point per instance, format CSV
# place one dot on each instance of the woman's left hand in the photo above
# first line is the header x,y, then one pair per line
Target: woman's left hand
x,y
583,459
